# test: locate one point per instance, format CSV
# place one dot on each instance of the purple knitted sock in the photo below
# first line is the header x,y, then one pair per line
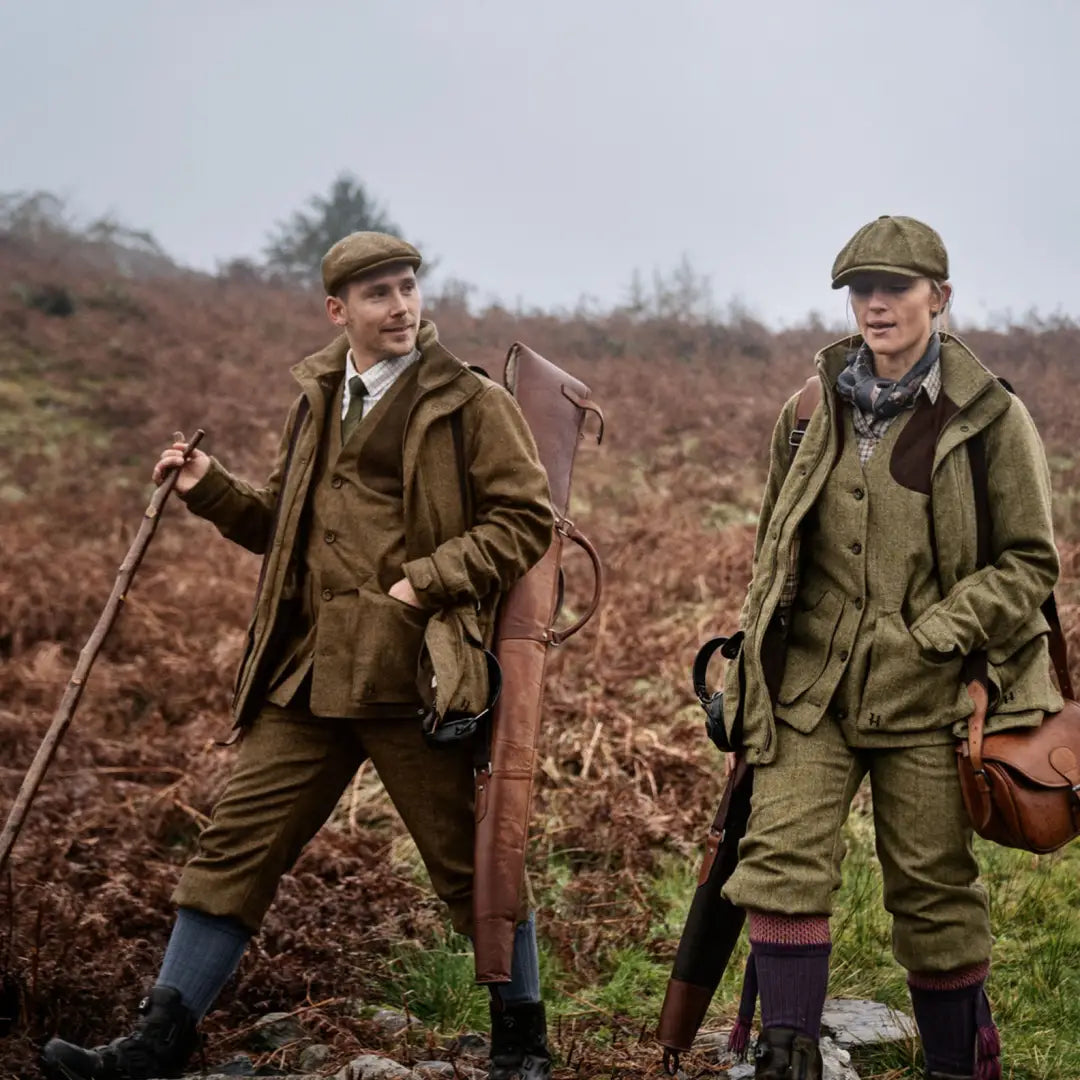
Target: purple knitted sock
x,y
953,1016
791,959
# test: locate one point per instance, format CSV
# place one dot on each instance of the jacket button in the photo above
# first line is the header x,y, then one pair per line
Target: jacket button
x,y
328,594
856,548
844,655
329,536
859,493
336,482
840,714
858,603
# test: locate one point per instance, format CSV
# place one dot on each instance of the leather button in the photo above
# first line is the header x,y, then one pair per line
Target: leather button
x,y
844,655
858,603
856,548
329,536
336,481
328,594
859,493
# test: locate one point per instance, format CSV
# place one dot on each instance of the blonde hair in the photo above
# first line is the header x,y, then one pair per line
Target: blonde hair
x,y
941,319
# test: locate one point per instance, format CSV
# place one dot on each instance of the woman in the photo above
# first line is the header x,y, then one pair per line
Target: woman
x,y
865,567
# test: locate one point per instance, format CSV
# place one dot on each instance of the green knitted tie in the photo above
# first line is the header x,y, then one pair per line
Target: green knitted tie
x,y
355,411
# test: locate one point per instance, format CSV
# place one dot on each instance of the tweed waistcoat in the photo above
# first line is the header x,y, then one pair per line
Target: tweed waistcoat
x,y
865,577
360,645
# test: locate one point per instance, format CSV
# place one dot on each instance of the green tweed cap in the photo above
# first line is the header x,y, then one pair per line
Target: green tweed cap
x,y
894,245
360,252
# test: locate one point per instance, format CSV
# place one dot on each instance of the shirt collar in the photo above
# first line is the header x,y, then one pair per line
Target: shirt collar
x,y
382,369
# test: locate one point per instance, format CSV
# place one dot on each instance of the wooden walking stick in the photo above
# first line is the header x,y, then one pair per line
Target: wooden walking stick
x,y
66,711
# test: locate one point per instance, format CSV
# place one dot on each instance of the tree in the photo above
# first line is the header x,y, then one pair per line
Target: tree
x,y
296,249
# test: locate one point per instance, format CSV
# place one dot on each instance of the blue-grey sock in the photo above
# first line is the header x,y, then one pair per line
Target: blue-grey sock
x,y
524,984
203,952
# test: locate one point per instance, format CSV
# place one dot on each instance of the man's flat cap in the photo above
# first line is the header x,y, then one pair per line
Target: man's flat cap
x,y
893,245
360,252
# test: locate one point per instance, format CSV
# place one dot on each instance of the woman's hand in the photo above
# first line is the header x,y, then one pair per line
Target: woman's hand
x,y
191,471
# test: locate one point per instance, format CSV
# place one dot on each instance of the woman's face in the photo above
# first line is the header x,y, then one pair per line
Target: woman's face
x,y
895,313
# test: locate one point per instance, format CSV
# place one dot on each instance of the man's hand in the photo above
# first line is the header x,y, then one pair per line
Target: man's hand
x,y
729,765
191,471
403,591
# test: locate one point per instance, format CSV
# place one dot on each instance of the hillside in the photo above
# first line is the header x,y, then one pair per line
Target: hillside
x,y
96,372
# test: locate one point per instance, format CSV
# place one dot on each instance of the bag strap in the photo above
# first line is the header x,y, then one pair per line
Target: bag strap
x,y
809,400
458,432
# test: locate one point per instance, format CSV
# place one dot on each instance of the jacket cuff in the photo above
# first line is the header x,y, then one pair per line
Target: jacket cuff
x,y
210,490
933,633
424,579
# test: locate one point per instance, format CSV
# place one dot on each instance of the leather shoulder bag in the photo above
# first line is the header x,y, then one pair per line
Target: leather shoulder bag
x,y
1021,787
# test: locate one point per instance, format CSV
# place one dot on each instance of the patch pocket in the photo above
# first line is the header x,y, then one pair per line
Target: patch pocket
x,y
809,644
388,637
905,690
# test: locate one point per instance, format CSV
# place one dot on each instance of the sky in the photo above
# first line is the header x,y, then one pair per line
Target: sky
x,y
544,151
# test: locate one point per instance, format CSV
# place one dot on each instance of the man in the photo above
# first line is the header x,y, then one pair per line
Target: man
x,y
406,499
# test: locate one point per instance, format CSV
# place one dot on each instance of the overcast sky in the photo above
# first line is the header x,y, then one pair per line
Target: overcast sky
x,y
544,150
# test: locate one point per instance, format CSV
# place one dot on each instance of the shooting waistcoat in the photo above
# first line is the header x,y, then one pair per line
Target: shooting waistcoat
x,y
867,571
359,644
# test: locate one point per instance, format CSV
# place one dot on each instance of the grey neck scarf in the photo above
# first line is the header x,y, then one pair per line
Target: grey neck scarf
x,y
879,397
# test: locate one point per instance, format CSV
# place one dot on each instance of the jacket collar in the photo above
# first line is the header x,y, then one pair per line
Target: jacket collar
x,y
438,366
964,380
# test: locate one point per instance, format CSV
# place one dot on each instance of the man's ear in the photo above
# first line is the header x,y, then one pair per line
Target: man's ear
x,y
335,310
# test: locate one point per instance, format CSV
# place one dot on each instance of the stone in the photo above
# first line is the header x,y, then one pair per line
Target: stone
x,y
434,1070
391,1022
373,1067
241,1065
852,1022
314,1057
275,1030
472,1045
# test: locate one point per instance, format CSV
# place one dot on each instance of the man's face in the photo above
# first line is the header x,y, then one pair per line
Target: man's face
x,y
380,312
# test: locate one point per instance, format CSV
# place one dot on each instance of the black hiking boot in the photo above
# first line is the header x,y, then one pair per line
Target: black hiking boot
x,y
159,1047
786,1054
519,1049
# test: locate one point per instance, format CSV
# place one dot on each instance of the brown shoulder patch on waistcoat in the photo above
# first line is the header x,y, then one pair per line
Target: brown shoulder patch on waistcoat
x,y
913,452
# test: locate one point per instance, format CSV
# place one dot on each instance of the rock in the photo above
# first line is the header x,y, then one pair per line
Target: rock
x,y
373,1067
433,1070
241,1065
472,1045
276,1030
837,1061
852,1022
314,1057
391,1022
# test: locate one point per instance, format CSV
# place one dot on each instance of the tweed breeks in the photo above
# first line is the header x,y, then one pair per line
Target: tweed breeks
x,y
291,770
790,859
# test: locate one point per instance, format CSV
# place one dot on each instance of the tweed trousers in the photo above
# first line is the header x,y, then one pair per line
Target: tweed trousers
x,y
291,770
790,859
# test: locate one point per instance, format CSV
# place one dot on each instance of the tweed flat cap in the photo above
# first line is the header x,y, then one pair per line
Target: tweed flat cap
x,y
894,245
360,252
